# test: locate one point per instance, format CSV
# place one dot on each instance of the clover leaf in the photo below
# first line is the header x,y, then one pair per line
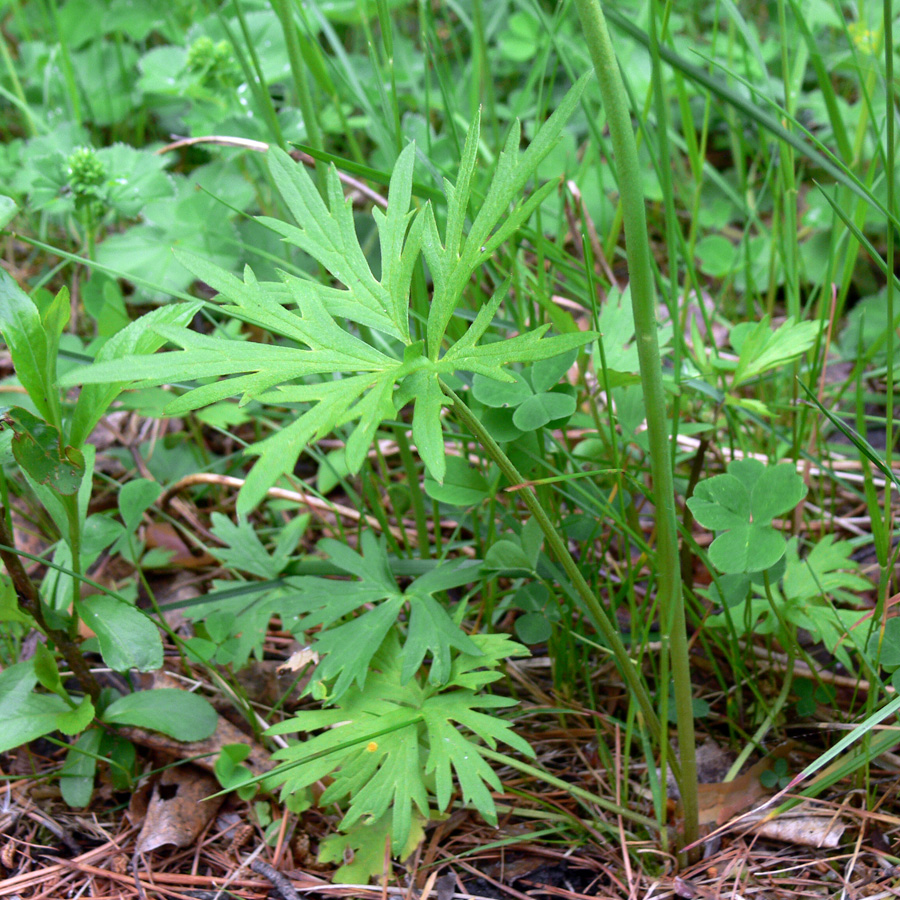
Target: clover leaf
x,y
741,505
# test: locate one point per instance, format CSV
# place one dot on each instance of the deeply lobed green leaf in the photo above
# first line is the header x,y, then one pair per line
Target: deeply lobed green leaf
x,y
323,359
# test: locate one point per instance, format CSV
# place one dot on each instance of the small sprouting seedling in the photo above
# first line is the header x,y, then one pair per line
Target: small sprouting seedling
x,y
810,695
232,775
776,777
540,612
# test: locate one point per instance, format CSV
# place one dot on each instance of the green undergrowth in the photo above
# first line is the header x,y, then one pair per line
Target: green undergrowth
x,y
373,253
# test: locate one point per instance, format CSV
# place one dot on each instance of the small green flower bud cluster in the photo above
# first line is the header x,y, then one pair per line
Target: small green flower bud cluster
x,y
214,62
87,178
86,171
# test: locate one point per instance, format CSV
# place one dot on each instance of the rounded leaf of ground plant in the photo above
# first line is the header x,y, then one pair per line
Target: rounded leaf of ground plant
x,y
730,590
747,548
128,639
717,255
540,409
888,653
463,484
742,504
533,628
179,714
531,597
508,556
720,502
499,423
546,373
777,490
498,394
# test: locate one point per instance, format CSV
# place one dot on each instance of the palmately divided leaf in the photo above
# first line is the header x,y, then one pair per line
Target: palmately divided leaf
x,y
432,631
329,236
761,350
381,744
278,453
451,266
326,362
347,649
427,432
371,565
140,337
492,360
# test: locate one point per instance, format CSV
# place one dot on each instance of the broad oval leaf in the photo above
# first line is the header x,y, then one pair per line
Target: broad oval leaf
x,y
76,778
128,639
747,548
779,489
25,715
533,628
179,714
463,485
498,394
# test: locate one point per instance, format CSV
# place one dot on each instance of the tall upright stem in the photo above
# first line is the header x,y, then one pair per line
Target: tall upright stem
x,y
643,297
560,551
30,601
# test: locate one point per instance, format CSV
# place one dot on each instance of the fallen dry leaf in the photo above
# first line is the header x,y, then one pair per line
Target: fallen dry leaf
x,y
723,801
162,535
802,828
179,809
298,659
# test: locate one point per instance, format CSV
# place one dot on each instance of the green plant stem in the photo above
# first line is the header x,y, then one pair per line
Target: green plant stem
x,y
759,735
298,71
580,793
70,504
416,496
68,70
890,148
28,121
559,550
30,602
643,296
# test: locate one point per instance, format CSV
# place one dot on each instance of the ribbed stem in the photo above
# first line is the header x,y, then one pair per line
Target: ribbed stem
x,y
643,298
